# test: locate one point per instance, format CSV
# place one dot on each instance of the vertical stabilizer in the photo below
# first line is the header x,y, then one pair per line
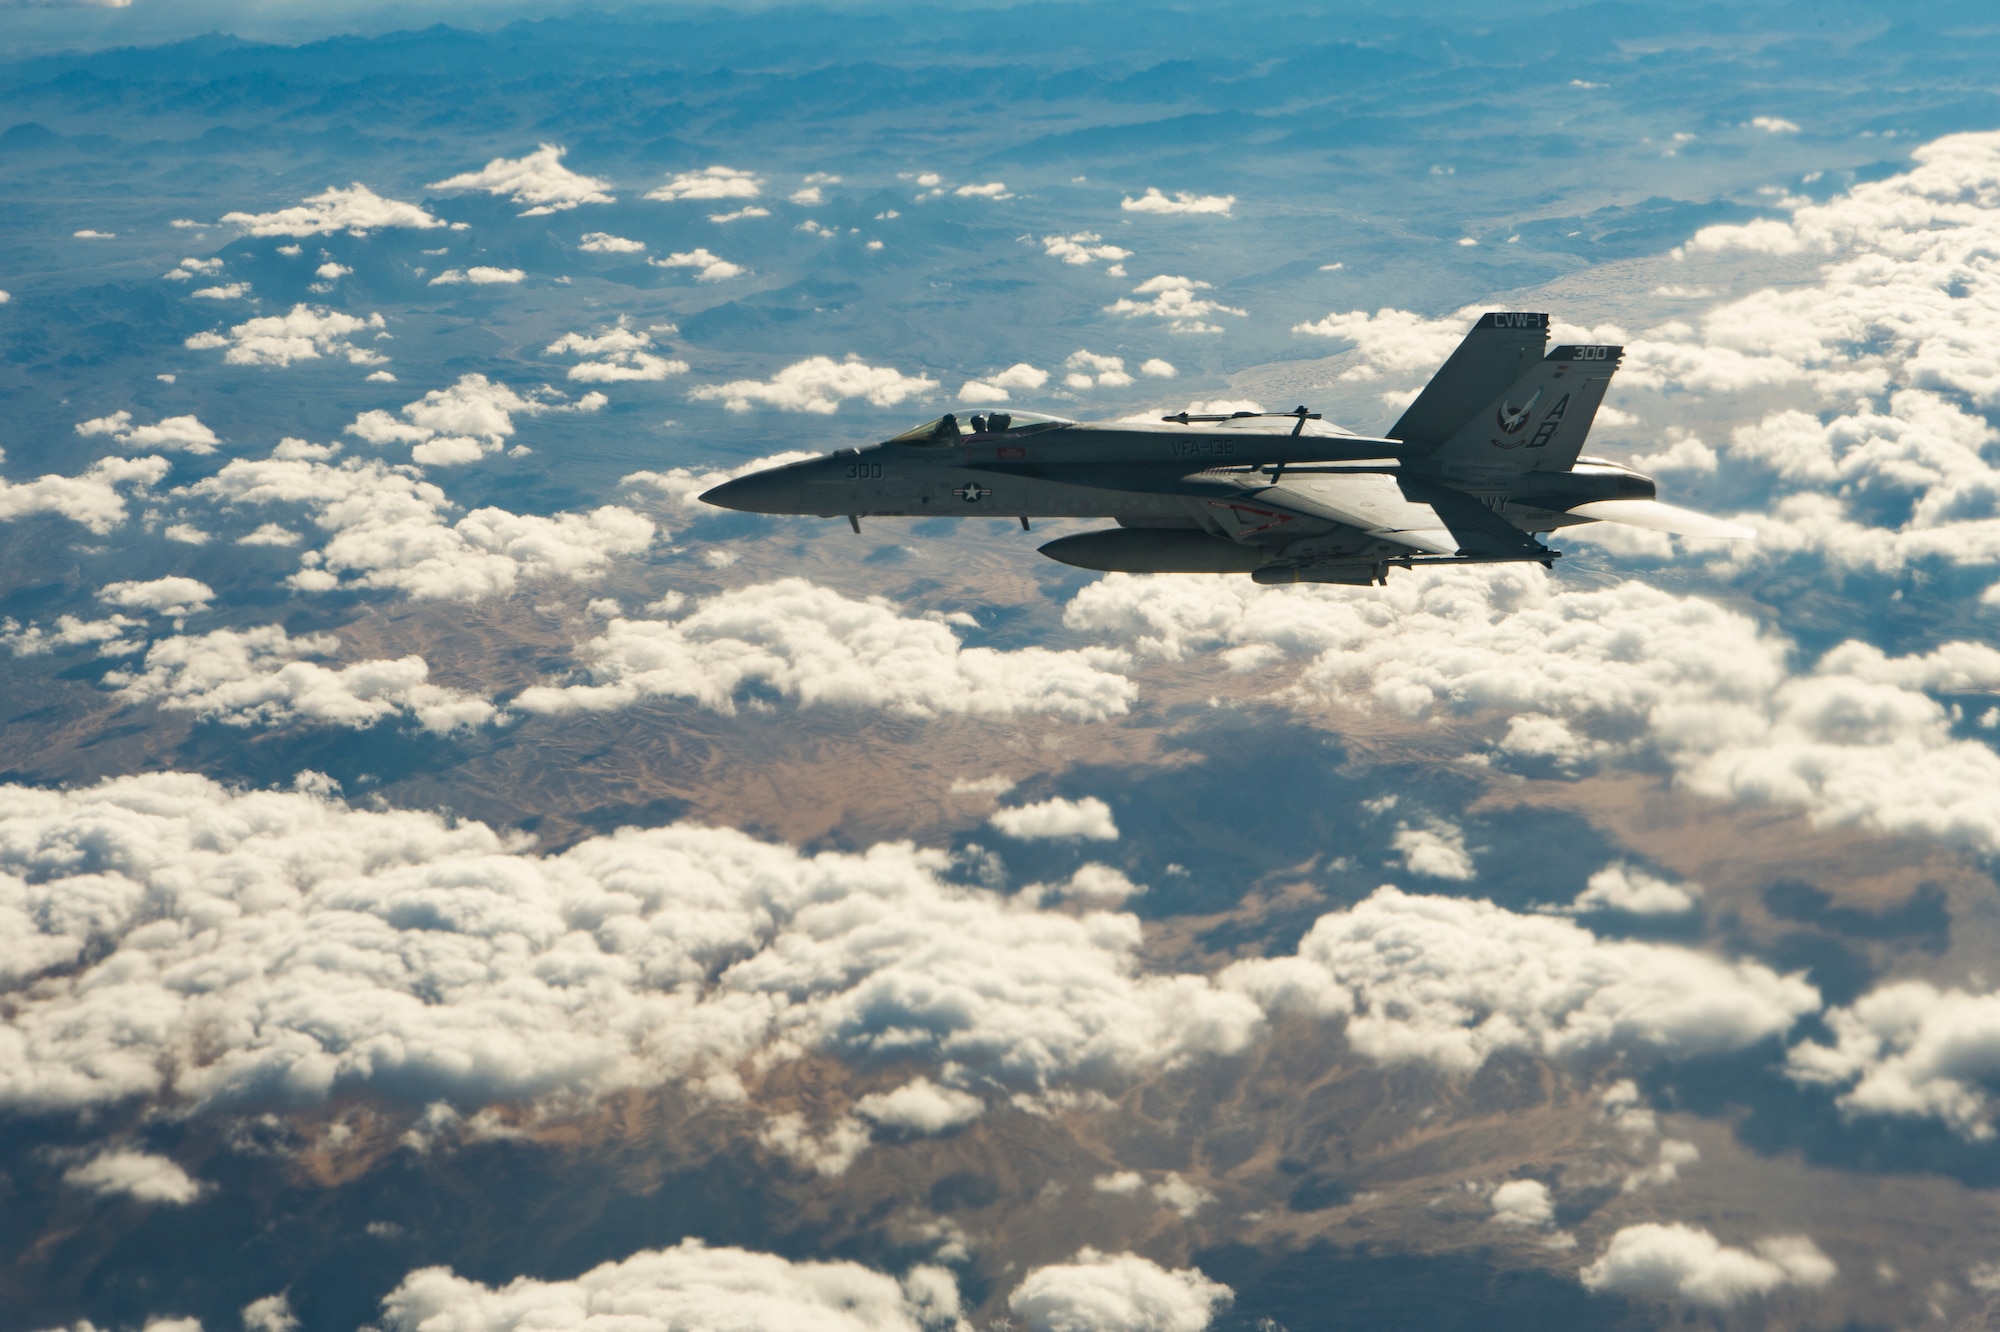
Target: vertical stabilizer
x,y
1539,423
1501,347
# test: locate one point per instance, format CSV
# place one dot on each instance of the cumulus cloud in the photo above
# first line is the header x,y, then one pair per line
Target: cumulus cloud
x,y
1594,675
1156,368
1395,346
305,334
1523,1202
1911,1049
1688,1263
1086,247
619,354
921,1107
1058,819
1774,125
1451,982
304,947
603,242
472,418
738,214
108,636
708,267
687,1286
1088,369
258,677
1174,300
716,182
1171,1190
92,498
140,1176
234,291
173,597
539,180
999,386
825,650
189,269
479,275
356,210
1435,850
992,189
1182,201
174,434
819,384
387,528
1097,1292
1620,887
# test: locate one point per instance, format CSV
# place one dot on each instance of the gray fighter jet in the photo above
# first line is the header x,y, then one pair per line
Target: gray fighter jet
x,y
1487,457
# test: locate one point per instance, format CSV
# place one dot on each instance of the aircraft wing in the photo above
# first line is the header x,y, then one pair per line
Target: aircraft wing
x,y
1428,518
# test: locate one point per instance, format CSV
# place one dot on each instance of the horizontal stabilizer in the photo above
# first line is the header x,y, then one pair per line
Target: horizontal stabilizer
x,y
1660,517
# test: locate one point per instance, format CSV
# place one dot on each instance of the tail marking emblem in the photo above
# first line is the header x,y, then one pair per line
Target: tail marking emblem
x,y
1511,418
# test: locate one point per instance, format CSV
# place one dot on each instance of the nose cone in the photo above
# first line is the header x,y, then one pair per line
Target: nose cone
x,y
772,491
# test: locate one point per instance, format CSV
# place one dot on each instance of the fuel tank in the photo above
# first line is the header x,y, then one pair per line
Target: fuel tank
x,y
1155,550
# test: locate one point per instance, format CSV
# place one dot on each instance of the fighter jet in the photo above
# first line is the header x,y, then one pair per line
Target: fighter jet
x,y
1486,459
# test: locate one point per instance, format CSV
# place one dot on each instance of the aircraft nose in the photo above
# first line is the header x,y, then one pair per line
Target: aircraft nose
x,y
773,491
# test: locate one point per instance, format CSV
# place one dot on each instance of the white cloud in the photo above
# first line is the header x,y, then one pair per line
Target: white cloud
x,y
186,533
737,215
140,1176
1436,850
992,189
539,180
1171,1190
387,529
708,267
305,334
107,636
1183,201
91,233
307,948
1910,1048
621,354
808,196
175,434
472,418
234,291
603,242
1523,1202
819,384
1156,368
825,650
91,498
1451,982
331,271
189,269
997,387
1087,369
686,1287
479,275
920,1106
356,210
257,677
1673,1155
173,597
1096,1292
716,182
1593,675
1174,300
1688,1263
273,1313
1057,818
1403,348
1773,124
1619,887
270,534
1083,247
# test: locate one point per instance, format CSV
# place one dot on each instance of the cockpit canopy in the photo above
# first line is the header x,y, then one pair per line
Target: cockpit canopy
x,y
947,429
